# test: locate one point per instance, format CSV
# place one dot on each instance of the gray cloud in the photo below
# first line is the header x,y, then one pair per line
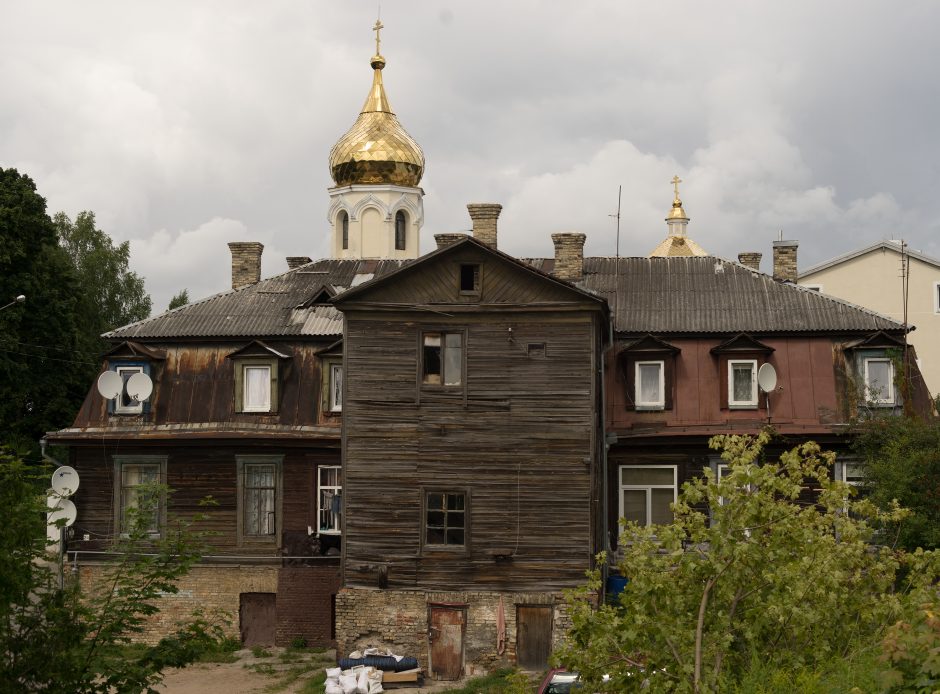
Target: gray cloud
x,y
186,126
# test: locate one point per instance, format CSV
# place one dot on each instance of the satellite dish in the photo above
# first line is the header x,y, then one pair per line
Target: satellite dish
x,y
139,387
65,481
767,377
110,384
61,509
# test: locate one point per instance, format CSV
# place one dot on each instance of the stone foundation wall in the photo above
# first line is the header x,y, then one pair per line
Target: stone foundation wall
x,y
399,620
303,598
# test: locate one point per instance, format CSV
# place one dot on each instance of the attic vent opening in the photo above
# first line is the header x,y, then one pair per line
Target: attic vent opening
x,y
470,279
535,350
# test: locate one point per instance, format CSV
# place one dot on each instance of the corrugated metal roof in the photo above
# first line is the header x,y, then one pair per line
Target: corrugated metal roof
x,y
656,295
712,295
265,309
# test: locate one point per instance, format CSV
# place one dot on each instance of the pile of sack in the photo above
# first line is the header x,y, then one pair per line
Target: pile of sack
x,y
361,679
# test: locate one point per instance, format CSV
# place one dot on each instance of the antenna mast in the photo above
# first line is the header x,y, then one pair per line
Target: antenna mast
x,y
905,285
619,193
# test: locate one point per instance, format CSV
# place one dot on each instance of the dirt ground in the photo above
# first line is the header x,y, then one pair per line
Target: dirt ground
x,y
269,673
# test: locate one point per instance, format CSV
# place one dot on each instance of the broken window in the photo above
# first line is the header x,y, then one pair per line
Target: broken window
x,y
442,359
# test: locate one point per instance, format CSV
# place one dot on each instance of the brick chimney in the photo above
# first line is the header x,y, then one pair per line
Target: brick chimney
x,y
444,240
295,261
785,261
569,256
484,216
750,259
246,262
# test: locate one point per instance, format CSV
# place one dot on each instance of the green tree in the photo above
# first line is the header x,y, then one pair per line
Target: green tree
x,y
43,375
747,570
59,640
901,461
178,300
110,294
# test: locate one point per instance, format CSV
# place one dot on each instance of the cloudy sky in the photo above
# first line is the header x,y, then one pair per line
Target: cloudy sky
x,y
184,125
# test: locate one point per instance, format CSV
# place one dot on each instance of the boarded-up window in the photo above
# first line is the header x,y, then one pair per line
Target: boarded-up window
x,y
442,359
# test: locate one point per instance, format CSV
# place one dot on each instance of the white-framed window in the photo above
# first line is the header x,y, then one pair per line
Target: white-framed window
x,y
124,403
256,396
936,297
136,478
814,287
330,500
442,358
650,385
646,492
851,472
742,383
879,380
259,497
445,518
336,387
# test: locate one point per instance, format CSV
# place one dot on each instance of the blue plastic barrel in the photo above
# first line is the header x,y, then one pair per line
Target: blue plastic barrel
x,y
615,585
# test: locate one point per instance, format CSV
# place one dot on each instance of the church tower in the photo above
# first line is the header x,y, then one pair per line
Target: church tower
x,y
677,241
376,206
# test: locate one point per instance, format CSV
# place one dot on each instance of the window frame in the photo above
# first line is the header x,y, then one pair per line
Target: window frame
x,y
241,462
338,530
647,488
422,361
344,230
119,463
891,398
401,234
433,547
241,384
119,407
936,297
753,402
335,396
475,271
660,404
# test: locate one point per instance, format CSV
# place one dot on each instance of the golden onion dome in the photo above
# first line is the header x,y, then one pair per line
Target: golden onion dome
x,y
377,149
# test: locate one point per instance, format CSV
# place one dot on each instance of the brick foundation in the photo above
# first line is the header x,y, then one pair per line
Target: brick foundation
x,y
303,598
399,620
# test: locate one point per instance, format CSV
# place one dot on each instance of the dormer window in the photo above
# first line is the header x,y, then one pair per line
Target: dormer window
x,y
879,380
648,365
257,372
650,385
874,365
738,361
125,403
742,383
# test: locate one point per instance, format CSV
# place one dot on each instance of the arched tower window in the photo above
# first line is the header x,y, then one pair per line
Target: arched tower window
x,y
399,231
344,226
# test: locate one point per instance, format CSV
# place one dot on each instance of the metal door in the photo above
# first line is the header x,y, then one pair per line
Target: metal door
x,y
533,636
257,618
446,626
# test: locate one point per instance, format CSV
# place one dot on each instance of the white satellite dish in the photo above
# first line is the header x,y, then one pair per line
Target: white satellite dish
x,y
61,509
110,385
767,377
65,481
139,387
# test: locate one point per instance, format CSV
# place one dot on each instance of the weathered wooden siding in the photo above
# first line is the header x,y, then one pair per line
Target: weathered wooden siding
x,y
194,473
807,395
519,438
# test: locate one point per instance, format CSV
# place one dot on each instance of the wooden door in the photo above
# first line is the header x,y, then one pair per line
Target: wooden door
x,y
445,638
533,636
257,619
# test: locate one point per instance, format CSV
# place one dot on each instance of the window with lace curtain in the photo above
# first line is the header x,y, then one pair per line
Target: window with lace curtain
x,y
259,491
138,494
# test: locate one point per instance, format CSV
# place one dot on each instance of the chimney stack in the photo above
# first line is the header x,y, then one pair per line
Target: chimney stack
x,y
750,259
295,261
785,261
246,263
444,240
484,216
569,256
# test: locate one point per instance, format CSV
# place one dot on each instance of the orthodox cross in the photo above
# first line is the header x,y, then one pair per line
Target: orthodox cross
x,y
378,40
675,183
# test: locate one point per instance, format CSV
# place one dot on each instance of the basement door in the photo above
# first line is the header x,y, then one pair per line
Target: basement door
x,y
257,619
533,636
446,626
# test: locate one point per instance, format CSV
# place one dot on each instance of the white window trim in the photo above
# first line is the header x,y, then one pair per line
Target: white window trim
x,y
814,287
936,297
336,396
842,472
869,393
743,404
246,407
127,409
647,487
328,487
658,404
